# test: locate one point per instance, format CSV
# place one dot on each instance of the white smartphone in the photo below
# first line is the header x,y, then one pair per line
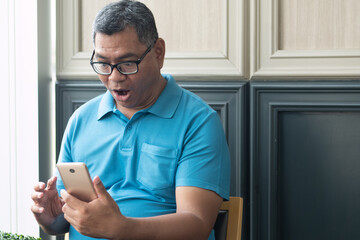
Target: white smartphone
x,y
77,181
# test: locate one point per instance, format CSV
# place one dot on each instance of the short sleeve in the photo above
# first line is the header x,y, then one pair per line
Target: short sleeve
x,y
205,159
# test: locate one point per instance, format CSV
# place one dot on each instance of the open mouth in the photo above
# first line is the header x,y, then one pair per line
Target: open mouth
x,y
122,92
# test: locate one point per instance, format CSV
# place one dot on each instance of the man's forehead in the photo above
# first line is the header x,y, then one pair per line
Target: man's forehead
x,y
127,35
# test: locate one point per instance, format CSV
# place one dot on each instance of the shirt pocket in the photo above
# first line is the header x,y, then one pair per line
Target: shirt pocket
x,y
157,166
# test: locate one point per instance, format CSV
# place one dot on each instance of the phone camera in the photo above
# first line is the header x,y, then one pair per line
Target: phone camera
x,y
72,170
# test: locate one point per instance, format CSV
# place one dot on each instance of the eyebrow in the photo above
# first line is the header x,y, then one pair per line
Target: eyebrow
x,y
127,55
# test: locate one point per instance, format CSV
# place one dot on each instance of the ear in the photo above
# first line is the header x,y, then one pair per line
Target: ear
x,y
160,51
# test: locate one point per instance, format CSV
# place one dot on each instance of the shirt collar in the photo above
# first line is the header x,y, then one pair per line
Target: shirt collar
x,y
165,106
106,105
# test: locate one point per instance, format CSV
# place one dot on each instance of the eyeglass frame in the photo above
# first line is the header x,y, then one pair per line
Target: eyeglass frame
x,y
117,64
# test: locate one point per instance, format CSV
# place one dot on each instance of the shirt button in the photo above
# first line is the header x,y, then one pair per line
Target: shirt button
x,y
129,127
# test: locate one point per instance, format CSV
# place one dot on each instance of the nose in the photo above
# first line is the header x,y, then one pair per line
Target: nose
x,y
116,76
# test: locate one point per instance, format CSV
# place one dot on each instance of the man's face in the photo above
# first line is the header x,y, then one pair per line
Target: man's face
x,y
136,91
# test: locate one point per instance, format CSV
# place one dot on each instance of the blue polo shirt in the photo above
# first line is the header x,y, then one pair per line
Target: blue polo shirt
x,y
178,141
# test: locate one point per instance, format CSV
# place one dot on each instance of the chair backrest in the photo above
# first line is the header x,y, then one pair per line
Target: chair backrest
x,y
229,221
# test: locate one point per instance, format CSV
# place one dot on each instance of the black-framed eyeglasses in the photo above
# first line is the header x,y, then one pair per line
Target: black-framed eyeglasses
x,y
126,67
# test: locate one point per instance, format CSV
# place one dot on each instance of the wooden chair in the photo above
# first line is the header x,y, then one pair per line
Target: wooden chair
x,y
229,221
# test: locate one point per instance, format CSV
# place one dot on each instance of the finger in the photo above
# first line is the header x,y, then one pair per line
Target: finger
x,y
70,200
67,210
64,195
51,183
37,210
68,215
37,196
39,187
99,187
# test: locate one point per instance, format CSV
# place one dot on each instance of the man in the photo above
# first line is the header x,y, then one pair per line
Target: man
x,y
158,149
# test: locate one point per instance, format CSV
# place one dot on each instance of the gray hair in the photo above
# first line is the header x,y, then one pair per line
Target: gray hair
x,y
117,16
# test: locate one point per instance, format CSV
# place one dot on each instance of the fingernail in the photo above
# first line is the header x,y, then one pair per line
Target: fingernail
x,y
96,180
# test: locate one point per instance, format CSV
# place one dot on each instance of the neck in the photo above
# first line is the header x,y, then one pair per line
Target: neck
x,y
129,112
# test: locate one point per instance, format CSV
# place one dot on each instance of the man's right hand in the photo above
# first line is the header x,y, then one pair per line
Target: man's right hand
x,y
47,203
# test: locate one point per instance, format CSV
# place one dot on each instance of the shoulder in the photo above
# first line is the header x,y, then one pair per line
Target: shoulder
x,y
85,112
191,102
89,107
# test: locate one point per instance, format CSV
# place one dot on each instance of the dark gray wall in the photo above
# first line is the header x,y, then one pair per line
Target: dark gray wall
x,y
305,160
295,150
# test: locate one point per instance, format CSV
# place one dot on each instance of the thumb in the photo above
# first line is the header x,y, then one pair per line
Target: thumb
x,y
99,187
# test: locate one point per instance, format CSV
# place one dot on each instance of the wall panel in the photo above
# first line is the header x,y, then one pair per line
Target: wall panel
x,y
188,26
304,160
318,24
318,174
205,37
293,40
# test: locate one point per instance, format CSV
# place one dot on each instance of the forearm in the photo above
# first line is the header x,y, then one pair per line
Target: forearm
x,y
171,226
59,226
